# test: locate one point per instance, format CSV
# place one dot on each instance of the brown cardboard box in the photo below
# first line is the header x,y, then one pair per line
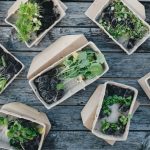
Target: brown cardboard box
x,y
90,112
136,7
13,9
145,85
53,56
6,51
19,110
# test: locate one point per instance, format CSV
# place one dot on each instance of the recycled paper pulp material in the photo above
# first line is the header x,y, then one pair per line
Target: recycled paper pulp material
x,y
14,8
145,85
27,111
108,137
11,80
66,48
19,110
89,111
136,7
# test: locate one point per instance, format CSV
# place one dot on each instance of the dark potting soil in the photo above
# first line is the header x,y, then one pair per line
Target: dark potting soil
x,y
47,86
148,81
12,66
49,13
115,90
109,17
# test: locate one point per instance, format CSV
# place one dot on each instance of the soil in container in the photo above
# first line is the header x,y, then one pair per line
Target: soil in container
x,y
120,22
49,86
78,67
33,18
49,12
9,67
113,116
21,134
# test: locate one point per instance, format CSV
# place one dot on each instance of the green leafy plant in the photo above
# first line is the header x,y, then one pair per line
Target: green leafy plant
x,y
28,21
119,127
20,133
123,119
114,128
60,86
119,21
110,100
105,126
81,65
85,64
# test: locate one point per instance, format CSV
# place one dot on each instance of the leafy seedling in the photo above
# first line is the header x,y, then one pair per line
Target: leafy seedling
x,y
20,133
120,22
123,119
119,127
86,64
105,126
28,22
111,100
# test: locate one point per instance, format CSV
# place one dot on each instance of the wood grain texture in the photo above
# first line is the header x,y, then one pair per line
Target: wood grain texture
x,y
77,140
20,91
121,65
67,128
61,121
8,39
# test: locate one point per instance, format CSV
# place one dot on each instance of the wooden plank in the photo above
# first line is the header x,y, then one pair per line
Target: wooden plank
x,y
76,140
8,38
74,17
121,65
20,90
67,118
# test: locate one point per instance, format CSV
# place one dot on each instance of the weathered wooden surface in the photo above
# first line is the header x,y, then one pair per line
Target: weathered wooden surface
x,y
67,129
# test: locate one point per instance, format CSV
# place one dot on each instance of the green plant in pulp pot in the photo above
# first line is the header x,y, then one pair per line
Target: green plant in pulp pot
x,y
118,127
81,65
22,134
28,22
122,24
85,64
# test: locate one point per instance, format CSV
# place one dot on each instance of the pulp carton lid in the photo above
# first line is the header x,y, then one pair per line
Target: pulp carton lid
x,y
20,110
13,9
60,48
144,83
28,112
89,111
